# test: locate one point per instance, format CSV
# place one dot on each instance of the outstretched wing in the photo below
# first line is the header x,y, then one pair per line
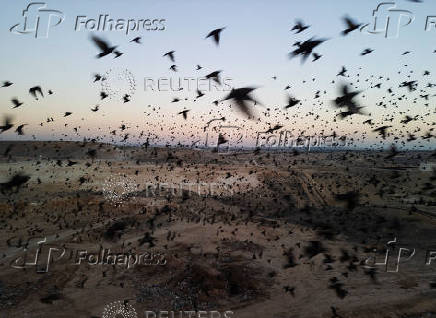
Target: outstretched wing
x,y
104,46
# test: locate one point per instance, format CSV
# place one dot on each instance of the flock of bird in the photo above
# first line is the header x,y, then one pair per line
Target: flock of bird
x,y
243,100
345,107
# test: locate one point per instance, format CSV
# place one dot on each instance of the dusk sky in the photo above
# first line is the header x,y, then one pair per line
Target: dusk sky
x,y
254,47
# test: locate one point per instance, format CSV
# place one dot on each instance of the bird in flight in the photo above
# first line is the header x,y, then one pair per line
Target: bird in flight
x,y
351,26
184,113
104,47
316,57
216,35
214,76
346,100
305,49
137,40
7,124
366,52
16,103
6,84
299,26
382,131
19,129
291,102
342,72
170,54
34,90
240,96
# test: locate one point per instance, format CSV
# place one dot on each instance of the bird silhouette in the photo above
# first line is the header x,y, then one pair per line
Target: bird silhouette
x,y
170,55
19,129
299,27
137,40
104,46
7,124
215,34
184,113
240,96
6,84
34,90
305,49
351,26
16,103
292,102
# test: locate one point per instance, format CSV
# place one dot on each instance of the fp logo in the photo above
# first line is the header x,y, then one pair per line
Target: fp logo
x,y
224,137
38,20
388,20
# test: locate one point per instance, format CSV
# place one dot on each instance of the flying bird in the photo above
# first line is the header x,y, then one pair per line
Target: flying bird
x,y
305,49
137,40
299,26
104,46
366,52
216,35
19,129
240,96
382,131
34,90
214,76
351,26
170,54
97,77
316,57
184,113
7,84
7,124
347,100
292,102
16,103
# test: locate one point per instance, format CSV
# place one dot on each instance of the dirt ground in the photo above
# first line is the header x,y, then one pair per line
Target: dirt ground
x,y
255,233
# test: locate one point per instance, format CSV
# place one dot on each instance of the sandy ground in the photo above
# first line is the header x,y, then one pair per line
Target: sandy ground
x,y
271,238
